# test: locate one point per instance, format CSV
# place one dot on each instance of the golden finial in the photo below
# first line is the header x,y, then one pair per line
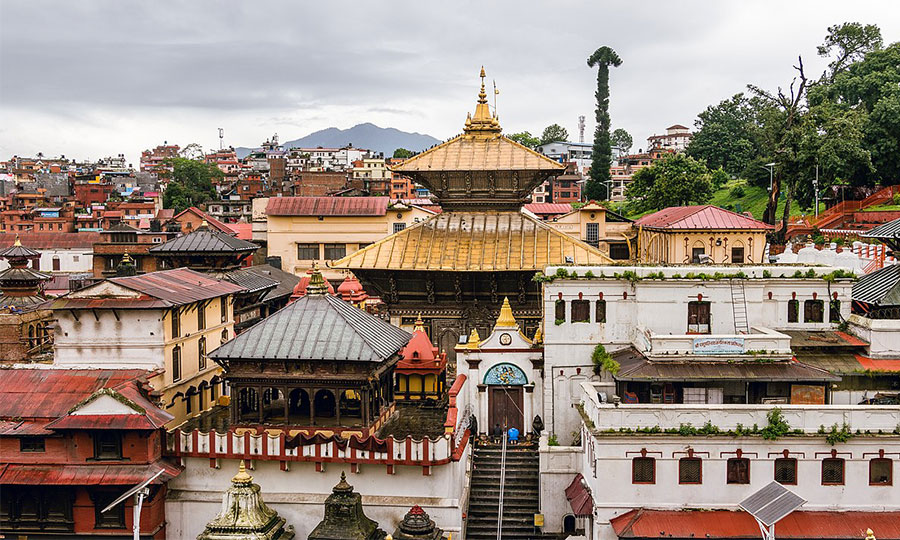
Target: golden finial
x,y
316,285
482,124
870,535
17,243
506,318
204,224
538,335
474,339
420,324
242,477
127,258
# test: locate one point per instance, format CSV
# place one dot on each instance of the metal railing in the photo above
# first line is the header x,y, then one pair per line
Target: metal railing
x,y
502,482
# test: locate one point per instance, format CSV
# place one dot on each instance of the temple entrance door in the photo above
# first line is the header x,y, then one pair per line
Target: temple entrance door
x,y
505,408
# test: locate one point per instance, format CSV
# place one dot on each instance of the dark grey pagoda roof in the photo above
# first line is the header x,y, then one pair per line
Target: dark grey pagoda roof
x,y
18,251
205,240
286,280
879,288
251,281
316,327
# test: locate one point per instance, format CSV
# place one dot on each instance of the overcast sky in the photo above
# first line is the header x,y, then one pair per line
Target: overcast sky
x,y
94,78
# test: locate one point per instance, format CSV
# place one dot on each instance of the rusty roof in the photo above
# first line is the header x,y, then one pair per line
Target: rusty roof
x,y
54,240
542,209
489,241
823,338
705,216
466,153
327,206
178,286
86,475
721,524
50,393
213,222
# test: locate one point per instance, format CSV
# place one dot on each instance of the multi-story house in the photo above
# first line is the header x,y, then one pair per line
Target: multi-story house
x,y
153,161
163,322
303,230
374,176
71,442
676,138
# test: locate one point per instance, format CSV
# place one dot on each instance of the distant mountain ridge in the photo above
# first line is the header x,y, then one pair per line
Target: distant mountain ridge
x,y
367,136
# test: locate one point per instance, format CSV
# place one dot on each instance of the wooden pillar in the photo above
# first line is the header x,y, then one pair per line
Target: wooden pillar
x,y
287,403
259,402
364,406
311,394
337,405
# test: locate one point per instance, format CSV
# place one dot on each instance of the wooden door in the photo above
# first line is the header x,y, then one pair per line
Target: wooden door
x,y
505,408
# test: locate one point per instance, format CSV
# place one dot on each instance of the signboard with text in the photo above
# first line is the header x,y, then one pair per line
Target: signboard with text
x,y
718,345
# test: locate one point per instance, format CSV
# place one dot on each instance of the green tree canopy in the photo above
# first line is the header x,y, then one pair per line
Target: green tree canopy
x,y
403,153
554,133
727,134
621,139
601,155
525,138
848,43
190,183
675,180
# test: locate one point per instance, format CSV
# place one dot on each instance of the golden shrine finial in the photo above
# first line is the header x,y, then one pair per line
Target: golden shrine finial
x,y
127,258
419,324
474,339
482,124
870,535
316,285
242,477
17,243
506,318
538,335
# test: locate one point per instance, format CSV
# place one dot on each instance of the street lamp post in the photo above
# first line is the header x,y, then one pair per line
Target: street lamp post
x,y
816,188
771,167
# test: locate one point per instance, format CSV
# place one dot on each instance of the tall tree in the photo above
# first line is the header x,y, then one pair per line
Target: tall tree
x,y
554,133
190,184
597,187
403,153
525,138
622,139
849,43
727,135
675,180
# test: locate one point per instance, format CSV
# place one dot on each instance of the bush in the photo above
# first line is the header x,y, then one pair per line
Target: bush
x,y
737,192
897,198
552,440
603,361
777,427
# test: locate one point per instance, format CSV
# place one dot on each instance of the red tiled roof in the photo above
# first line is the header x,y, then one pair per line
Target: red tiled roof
x,y
420,356
86,475
327,206
706,216
876,364
211,221
548,208
243,231
50,393
104,421
722,524
55,240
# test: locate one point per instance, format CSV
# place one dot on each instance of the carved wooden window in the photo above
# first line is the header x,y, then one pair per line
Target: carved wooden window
x,y
643,470
581,311
881,472
690,470
601,311
833,472
114,518
560,311
786,471
698,317
793,310
813,311
738,471
834,311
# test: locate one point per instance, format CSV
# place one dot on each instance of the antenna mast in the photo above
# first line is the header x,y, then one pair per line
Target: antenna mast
x,y
581,129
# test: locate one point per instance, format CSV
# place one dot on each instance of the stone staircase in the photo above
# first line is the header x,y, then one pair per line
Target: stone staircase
x,y
520,495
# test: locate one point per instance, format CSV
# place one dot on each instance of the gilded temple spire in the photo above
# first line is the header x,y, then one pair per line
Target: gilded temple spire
x,y
506,318
482,124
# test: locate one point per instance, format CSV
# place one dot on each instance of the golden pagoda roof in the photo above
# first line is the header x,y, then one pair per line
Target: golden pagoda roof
x,y
480,147
490,241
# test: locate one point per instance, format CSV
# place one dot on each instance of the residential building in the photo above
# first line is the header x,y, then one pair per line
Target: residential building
x,y
230,210
566,188
676,138
374,176
72,441
70,252
318,183
701,234
153,161
303,230
165,322
402,187
597,226
547,211
577,152
123,239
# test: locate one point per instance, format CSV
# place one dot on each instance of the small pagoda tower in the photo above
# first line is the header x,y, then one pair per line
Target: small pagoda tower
x,y
245,516
421,372
344,517
417,525
21,285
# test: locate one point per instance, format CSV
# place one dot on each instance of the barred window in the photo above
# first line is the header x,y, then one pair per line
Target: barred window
x,y
560,310
601,311
335,251
399,227
176,363
737,255
581,311
592,233
643,470
690,470
786,471
881,472
833,472
738,471
201,353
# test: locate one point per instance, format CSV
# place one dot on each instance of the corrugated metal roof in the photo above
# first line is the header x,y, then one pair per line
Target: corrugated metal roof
x,y
213,222
548,208
286,281
178,286
823,339
465,153
50,393
475,242
879,288
635,367
327,206
579,498
55,240
251,281
843,363
87,475
700,217
205,240
316,327
104,421
891,229
726,524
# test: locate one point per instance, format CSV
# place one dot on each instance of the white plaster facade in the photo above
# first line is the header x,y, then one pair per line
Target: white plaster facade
x,y
79,259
